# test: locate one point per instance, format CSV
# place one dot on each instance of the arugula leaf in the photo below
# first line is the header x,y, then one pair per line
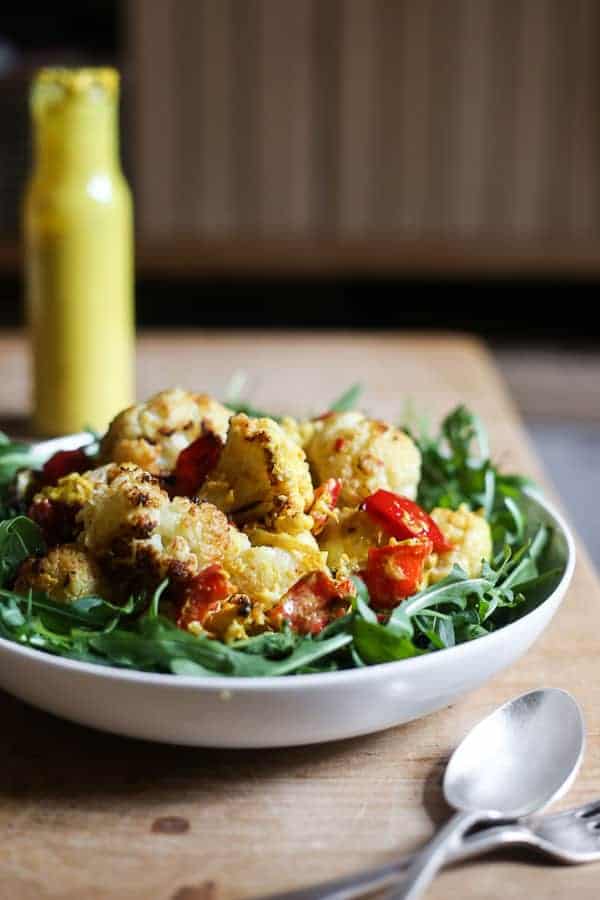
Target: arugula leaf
x,y
455,472
347,400
234,399
15,455
362,600
376,643
343,625
187,667
308,651
156,597
157,642
89,613
273,645
20,537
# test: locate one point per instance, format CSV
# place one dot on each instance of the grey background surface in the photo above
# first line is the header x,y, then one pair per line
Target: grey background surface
x,y
570,452
557,390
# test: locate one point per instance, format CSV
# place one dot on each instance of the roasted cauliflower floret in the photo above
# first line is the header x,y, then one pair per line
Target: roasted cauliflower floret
x,y
66,573
192,536
131,523
365,454
262,476
300,431
470,535
153,434
266,570
125,507
348,540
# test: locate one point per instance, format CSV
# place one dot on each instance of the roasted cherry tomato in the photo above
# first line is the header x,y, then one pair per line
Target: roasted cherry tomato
x,y
395,572
312,603
63,463
403,518
202,595
195,462
325,501
57,520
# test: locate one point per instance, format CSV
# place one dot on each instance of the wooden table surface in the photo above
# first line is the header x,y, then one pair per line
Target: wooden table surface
x,y
89,815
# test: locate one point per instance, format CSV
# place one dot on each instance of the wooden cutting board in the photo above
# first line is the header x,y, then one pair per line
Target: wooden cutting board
x,y
89,815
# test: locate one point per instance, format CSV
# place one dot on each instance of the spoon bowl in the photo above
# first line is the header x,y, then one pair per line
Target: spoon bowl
x,y
520,758
517,761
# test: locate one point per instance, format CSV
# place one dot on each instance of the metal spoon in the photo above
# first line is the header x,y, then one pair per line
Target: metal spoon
x,y
517,761
571,837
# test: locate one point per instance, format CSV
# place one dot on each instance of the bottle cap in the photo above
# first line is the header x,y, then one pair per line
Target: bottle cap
x,y
54,86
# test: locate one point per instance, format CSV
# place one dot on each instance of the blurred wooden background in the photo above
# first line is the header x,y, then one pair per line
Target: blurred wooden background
x,y
339,138
354,118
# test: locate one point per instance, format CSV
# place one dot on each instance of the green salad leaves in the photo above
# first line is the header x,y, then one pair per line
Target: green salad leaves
x,y
13,457
453,473
93,630
19,538
456,470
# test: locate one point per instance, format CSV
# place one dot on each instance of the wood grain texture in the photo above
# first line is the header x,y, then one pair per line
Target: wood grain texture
x,y
532,59
585,148
285,115
153,47
246,95
326,88
187,116
205,117
357,108
473,98
359,117
84,814
500,117
412,110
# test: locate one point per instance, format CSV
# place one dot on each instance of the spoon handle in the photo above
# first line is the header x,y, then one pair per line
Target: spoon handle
x,y
387,875
425,865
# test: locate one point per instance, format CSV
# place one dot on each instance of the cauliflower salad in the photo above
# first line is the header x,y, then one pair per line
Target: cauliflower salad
x,y
203,538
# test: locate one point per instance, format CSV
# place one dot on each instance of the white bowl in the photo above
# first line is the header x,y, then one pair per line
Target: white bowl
x,y
277,712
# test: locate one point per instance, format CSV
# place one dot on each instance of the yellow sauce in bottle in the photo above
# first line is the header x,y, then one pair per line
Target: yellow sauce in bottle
x,y
78,253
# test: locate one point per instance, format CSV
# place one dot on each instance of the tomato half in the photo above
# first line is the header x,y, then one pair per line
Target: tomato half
x,y
64,463
202,595
312,603
395,572
403,518
195,462
57,520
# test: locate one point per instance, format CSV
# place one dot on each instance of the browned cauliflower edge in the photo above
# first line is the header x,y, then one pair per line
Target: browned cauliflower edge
x,y
262,476
153,434
65,573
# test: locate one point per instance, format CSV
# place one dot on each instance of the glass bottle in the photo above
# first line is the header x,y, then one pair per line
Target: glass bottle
x,y
78,236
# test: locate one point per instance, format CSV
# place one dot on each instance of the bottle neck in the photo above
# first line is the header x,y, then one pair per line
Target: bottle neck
x,y
75,119
77,144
